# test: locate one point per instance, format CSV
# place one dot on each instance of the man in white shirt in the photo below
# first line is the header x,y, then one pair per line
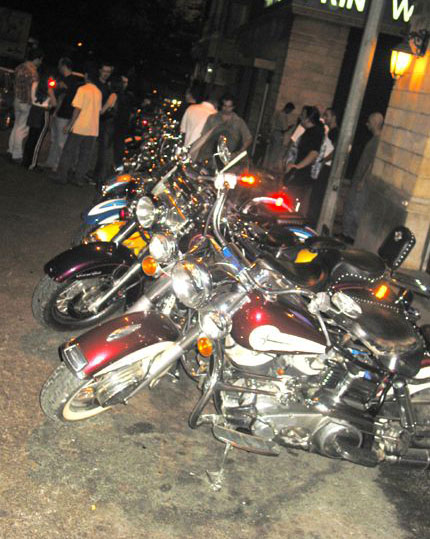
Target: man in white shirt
x,y
195,118
83,131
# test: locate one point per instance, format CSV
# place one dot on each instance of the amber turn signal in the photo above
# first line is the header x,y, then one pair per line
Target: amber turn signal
x,y
382,291
149,266
205,346
123,178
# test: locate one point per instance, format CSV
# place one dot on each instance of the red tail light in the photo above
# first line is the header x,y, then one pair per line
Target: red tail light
x,y
124,214
280,202
52,83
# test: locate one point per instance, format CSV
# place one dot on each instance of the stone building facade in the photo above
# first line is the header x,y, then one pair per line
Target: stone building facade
x,y
399,191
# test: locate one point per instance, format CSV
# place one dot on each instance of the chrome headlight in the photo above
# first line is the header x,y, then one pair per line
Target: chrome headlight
x,y
162,247
346,305
145,212
191,283
215,324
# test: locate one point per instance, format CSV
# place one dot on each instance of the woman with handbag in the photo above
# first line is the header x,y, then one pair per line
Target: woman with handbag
x,y
42,100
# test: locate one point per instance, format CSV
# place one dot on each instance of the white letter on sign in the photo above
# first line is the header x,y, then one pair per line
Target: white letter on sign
x,y
404,6
359,4
349,4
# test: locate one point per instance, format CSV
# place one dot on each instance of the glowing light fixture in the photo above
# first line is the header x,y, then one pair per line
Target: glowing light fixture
x,y
400,62
401,56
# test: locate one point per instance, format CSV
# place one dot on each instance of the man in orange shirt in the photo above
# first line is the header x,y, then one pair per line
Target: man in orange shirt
x,y
83,130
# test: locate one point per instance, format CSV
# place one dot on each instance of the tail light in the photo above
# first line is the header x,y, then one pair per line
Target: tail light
x,y
124,214
280,202
52,83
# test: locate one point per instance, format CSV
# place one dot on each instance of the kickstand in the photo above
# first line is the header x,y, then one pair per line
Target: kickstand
x,y
216,478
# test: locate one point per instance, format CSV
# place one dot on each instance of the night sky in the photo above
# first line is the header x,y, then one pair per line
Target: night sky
x,y
146,34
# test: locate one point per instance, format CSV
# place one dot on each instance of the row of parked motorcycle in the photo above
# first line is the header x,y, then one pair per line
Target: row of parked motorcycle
x,y
296,340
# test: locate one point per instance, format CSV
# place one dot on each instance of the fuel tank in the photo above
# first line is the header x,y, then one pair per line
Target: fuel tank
x,y
277,327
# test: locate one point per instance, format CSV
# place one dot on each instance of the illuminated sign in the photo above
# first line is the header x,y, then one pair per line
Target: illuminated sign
x,y
401,9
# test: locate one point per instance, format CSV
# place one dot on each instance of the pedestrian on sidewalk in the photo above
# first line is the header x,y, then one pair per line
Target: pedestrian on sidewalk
x,y
83,130
300,175
104,139
42,100
25,74
224,123
281,126
124,110
195,117
319,186
67,86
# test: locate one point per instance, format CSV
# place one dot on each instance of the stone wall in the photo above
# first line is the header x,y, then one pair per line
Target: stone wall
x,y
315,52
399,190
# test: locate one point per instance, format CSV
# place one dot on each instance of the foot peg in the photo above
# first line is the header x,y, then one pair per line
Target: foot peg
x,y
247,442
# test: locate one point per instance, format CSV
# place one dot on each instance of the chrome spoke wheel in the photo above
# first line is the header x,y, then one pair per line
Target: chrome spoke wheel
x,y
76,298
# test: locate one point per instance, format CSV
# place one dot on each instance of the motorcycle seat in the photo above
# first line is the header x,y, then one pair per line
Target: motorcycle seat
x,y
355,265
393,339
312,275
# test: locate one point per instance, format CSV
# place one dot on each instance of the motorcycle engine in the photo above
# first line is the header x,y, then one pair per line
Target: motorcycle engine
x,y
312,402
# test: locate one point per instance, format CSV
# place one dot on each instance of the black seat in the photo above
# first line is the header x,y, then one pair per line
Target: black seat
x,y
391,337
396,246
355,265
313,275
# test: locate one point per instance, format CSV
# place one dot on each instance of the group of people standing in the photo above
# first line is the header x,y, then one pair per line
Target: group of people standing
x,y
307,147
82,112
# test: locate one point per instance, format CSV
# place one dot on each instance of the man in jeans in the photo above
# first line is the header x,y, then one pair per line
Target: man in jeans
x,y
25,75
67,85
83,131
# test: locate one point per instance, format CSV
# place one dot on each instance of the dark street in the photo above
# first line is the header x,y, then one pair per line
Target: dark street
x,y
139,471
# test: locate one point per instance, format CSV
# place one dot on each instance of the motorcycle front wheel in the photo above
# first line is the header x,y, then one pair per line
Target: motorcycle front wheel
x,y
65,398
64,306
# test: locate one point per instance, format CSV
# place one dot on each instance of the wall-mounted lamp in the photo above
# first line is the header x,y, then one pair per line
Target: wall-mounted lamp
x,y
401,56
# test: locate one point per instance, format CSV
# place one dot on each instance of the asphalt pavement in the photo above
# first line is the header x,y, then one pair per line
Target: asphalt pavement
x,y
140,471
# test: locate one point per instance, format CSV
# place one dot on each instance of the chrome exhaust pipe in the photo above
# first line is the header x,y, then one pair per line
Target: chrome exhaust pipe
x,y
418,459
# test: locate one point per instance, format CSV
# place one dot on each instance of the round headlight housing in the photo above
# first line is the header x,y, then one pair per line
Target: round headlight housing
x,y
145,212
215,324
346,305
191,283
163,247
